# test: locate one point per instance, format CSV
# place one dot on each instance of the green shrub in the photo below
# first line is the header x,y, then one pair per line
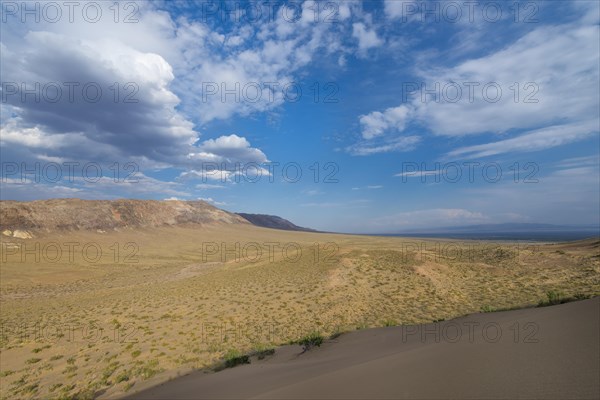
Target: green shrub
x,y
122,377
581,296
261,352
556,297
234,358
311,340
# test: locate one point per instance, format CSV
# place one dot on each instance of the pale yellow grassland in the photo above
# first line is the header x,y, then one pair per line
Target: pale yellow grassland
x,y
174,311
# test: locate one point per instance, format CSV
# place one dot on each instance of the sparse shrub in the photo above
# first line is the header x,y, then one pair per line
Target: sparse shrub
x,y
33,360
554,297
261,352
311,340
54,387
70,369
147,370
234,358
38,349
487,308
581,296
33,388
85,394
122,377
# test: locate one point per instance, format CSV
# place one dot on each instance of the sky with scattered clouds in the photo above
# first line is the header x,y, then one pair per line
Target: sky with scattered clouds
x,y
371,117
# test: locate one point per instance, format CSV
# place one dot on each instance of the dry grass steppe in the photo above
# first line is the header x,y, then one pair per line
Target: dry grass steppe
x,y
155,305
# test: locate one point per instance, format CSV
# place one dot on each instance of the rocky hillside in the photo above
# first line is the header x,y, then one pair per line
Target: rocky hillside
x,y
21,218
274,222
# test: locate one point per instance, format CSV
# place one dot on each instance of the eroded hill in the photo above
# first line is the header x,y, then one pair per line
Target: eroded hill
x,y
106,215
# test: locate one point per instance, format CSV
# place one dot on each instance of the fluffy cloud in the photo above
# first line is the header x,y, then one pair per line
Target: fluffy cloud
x,y
377,123
90,187
229,149
555,69
395,9
367,38
137,116
544,84
166,69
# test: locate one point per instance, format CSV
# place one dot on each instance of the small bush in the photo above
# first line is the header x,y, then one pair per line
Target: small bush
x,y
33,360
234,358
581,296
38,349
487,308
122,377
55,386
310,341
556,297
70,369
261,352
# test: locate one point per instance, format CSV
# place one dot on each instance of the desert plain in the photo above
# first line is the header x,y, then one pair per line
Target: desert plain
x,y
112,313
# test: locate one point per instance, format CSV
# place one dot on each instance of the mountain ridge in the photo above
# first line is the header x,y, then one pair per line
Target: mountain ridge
x,y
22,218
273,222
55,215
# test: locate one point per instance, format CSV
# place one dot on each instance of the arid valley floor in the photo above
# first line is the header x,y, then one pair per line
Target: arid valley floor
x,y
165,303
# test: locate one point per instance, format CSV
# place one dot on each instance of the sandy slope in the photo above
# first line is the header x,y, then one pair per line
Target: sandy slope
x,y
550,352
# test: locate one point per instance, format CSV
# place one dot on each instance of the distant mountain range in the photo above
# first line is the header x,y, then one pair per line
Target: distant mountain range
x,y
274,222
508,227
508,231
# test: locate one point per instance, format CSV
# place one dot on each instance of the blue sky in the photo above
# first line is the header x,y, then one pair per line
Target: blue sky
x,y
415,114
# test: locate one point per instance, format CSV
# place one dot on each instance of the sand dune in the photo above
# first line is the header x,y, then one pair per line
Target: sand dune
x,y
550,352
